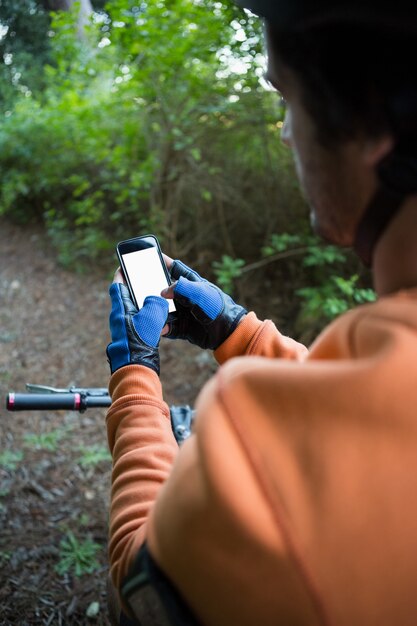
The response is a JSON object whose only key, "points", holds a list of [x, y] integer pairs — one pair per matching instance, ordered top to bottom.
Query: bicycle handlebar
{"points": [[80, 399], [72, 401]]}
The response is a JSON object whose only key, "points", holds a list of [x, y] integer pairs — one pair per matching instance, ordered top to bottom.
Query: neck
{"points": [[395, 256]]}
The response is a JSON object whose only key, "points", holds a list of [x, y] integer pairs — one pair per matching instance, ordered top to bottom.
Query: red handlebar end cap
{"points": [[10, 402]]}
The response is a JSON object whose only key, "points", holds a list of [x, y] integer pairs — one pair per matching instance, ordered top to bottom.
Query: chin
{"points": [[328, 232]]}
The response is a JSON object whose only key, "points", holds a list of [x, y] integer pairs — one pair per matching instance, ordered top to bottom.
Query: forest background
{"points": [[128, 117]]}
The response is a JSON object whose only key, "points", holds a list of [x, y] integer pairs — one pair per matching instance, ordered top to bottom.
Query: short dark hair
{"points": [[354, 78]]}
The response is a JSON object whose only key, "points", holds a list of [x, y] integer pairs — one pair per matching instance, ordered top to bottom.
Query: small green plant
{"points": [[281, 243], [315, 253], [227, 270], [332, 294], [335, 297], [5, 377], [44, 441], [92, 455], [9, 460], [84, 519], [5, 556], [77, 557]]}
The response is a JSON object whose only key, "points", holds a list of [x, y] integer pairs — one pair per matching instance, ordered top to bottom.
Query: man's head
{"points": [[346, 70]]}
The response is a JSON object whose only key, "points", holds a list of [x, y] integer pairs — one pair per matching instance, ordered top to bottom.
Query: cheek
{"points": [[286, 131], [296, 135], [293, 142], [326, 178]]}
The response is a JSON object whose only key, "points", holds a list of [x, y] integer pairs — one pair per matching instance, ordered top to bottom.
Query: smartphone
{"points": [[144, 268]]}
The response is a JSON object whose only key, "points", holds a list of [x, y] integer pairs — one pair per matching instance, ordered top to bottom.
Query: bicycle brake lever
{"points": [[44, 389], [94, 391]]}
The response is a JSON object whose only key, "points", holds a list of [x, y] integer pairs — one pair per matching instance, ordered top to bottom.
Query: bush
{"points": [[151, 133]]}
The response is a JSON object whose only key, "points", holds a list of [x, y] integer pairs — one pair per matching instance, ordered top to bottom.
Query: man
{"points": [[294, 501]]}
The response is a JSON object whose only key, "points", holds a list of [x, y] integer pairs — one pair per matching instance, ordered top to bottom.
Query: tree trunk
{"points": [[60, 5], [86, 10]]}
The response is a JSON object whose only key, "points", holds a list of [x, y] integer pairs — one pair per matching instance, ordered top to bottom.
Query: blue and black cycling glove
{"points": [[206, 316], [135, 334]]}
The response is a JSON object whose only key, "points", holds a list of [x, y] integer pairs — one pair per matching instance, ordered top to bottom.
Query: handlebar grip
{"points": [[47, 401], [96, 402]]}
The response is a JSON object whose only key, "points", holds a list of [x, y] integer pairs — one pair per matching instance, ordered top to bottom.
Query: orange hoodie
{"points": [[295, 500]]}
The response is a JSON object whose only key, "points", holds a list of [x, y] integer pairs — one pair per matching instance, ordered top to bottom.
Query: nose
{"points": [[286, 130]]}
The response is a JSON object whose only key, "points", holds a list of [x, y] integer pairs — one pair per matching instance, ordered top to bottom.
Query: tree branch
{"points": [[276, 257]]}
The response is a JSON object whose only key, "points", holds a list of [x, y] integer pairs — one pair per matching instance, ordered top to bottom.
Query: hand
{"points": [[206, 316], [135, 334]]}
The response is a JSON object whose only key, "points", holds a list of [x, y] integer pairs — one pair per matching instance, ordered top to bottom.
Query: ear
{"points": [[375, 149]]}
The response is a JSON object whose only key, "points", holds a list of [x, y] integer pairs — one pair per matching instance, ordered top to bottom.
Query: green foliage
{"points": [[24, 48], [155, 121], [145, 125], [281, 243], [315, 253], [319, 255], [226, 271], [330, 294], [334, 297], [44, 441], [93, 455], [10, 460], [84, 519], [5, 556], [77, 557]]}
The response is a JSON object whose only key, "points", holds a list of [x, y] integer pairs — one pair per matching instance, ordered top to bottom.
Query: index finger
{"points": [[118, 276]]}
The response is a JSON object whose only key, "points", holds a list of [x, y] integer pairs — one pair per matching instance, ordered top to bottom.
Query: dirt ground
{"points": [[54, 466]]}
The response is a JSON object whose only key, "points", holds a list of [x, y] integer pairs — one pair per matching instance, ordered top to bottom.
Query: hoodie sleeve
{"points": [[253, 337], [143, 448]]}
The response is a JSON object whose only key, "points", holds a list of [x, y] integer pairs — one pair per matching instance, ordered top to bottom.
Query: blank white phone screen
{"points": [[146, 275]]}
